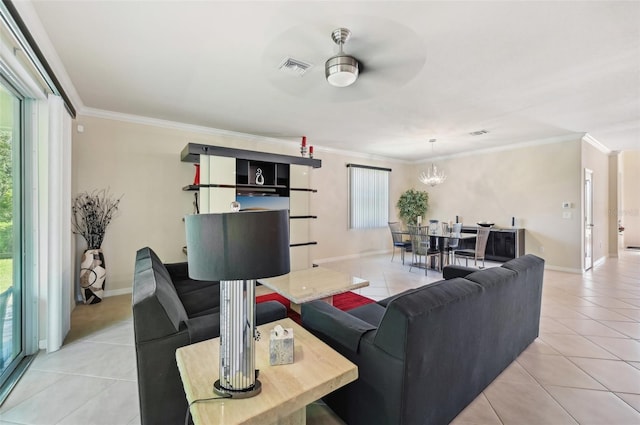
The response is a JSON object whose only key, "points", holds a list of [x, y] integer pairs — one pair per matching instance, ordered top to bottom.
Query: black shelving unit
{"points": [[192, 152], [502, 245]]}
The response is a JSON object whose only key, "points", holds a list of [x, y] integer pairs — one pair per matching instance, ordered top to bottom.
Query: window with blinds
{"points": [[368, 196]]}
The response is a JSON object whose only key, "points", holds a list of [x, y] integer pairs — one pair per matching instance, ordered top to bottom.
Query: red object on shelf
{"points": [[304, 141], [311, 151], [196, 179]]}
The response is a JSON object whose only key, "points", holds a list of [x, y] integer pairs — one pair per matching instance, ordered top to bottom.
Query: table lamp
{"points": [[236, 248]]}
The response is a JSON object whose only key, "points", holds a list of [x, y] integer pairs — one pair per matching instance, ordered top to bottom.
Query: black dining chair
{"points": [[398, 240]]}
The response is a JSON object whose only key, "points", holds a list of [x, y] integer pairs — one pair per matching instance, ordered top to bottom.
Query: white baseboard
{"points": [[351, 256], [599, 261], [562, 269], [116, 292]]}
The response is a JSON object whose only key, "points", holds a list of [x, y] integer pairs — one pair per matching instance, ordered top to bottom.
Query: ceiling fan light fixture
{"points": [[341, 70]]}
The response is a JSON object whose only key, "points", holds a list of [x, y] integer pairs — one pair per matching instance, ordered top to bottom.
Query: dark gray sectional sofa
{"points": [[171, 311], [425, 354]]}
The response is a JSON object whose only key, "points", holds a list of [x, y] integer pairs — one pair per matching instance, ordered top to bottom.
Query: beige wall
{"points": [[143, 163], [528, 183], [630, 208], [331, 231]]}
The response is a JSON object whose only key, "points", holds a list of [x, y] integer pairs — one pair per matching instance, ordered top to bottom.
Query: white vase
{"points": [[92, 276]]}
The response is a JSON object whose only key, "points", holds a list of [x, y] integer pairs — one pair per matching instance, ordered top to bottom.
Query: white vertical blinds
{"points": [[368, 197]]}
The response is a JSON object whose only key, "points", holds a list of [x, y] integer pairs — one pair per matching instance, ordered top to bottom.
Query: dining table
{"points": [[438, 238], [441, 239]]}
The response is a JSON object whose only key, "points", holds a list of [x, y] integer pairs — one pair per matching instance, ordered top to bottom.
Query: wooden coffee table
{"points": [[317, 283], [316, 371]]}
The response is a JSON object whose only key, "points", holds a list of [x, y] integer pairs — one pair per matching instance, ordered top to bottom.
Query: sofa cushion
{"points": [[494, 276], [197, 297], [370, 313]]}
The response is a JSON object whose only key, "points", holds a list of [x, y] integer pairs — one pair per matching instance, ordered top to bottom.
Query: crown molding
{"points": [[174, 125], [539, 142], [596, 144]]}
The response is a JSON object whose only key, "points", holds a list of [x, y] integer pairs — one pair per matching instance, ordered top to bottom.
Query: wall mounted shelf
{"points": [[192, 152]]}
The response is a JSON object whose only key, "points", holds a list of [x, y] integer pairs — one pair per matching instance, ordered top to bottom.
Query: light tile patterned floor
{"points": [[584, 368]]}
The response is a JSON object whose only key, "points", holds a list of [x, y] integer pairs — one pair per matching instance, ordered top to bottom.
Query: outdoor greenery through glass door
{"points": [[11, 346]]}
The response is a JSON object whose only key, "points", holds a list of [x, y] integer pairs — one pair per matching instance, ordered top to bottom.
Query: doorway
{"points": [[588, 219]]}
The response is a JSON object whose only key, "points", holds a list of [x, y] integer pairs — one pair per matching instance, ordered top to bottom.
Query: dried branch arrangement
{"points": [[92, 213]]}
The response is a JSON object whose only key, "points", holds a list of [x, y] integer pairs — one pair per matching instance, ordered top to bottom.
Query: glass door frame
{"points": [[17, 177], [24, 224]]}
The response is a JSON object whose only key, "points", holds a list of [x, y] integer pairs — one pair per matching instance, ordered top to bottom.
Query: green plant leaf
{"points": [[412, 203]]}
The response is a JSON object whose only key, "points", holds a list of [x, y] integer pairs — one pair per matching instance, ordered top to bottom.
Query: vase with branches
{"points": [[92, 213]]}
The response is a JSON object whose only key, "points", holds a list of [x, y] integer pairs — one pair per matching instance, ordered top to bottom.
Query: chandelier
{"points": [[433, 176]]}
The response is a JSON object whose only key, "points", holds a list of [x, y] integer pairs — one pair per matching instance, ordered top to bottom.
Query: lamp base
{"points": [[247, 393]]}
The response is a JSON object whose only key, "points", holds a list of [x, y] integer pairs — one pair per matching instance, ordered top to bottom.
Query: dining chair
{"points": [[398, 240], [454, 243], [420, 246], [479, 252]]}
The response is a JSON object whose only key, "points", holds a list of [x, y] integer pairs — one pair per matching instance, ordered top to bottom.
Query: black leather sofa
{"points": [[171, 311], [425, 354]]}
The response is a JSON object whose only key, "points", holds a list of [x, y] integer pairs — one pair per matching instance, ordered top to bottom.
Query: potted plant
{"points": [[412, 204], [91, 214]]}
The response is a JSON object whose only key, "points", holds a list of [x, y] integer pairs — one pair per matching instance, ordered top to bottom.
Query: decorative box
{"points": [[281, 346]]}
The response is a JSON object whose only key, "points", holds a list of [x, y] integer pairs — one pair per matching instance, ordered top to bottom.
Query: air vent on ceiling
{"points": [[294, 66], [478, 133]]}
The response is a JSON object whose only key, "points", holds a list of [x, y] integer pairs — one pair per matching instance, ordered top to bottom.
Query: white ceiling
{"points": [[522, 70]]}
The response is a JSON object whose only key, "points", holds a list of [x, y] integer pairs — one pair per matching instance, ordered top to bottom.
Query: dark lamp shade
{"points": [[238, 245]]}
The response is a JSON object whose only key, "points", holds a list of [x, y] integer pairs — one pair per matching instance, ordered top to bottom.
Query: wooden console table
{"points": [[286, 389]]}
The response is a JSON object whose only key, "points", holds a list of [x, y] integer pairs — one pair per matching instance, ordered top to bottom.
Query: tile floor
{"points": [[584, 368]]}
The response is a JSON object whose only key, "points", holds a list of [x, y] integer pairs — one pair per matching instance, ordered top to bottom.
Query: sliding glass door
{"points": [[11, 287]]}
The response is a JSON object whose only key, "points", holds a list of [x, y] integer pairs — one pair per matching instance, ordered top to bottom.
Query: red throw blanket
{"points": [[345, 301]]}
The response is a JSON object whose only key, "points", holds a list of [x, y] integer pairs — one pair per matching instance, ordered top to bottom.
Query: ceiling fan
{"points": [[371, 64], [341, 70]]}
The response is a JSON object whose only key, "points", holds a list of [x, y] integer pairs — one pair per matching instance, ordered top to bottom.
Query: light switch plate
{"points": [[566, 205], [566, 214]]}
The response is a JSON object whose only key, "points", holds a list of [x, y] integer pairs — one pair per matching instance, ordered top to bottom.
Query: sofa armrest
{"points": [[453, 271], [334, 324], [203, 327]]}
